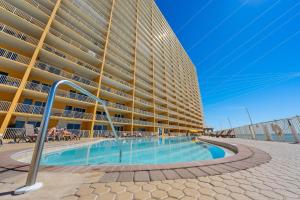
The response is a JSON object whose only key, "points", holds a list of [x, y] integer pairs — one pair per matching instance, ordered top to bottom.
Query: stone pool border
{"points": [[245, 157]]}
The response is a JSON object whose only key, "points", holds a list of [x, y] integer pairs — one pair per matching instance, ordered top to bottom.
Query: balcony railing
{"points": [[39, 6], [21, 14], [14, 32], [86, 36], [74, 43], [14, 56], [70, 58], [119, 68], [65, 74], [117, 79], [7, 80], [117, 92], [61, 93], [143, 101], [4, 105], [119, 106], [39, 110], [143, 112], [71, 114], [161, 116], [114, 119], [121, 120], [141, 122], [11, 133]]}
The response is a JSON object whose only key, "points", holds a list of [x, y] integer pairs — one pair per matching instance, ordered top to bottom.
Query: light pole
{"points": [[230, 125]]}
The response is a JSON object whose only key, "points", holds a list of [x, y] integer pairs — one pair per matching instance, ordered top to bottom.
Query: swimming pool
{"points": [[136, 151]]}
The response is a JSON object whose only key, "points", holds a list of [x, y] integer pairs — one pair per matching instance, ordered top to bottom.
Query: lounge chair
{"points": [[53, 134], [27, 136]]}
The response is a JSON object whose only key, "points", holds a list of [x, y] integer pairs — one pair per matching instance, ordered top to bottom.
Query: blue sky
{"points": [[247, 54]]}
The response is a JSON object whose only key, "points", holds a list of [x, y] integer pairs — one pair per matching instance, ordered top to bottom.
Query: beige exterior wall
{"points": [[122, 51]]}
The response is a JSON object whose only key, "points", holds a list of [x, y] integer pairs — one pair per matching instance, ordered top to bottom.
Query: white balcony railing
{"points": [[70, 58], [60, 72], [117, 92], [61, 93], [39, 110]]}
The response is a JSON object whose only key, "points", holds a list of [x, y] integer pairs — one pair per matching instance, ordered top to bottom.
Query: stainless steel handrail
{"points": [[37, 154]]}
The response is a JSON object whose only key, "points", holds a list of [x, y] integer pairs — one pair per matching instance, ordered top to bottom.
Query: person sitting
{"points": [[67, 135]]}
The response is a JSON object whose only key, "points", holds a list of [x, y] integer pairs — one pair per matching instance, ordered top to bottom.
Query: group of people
{"points": [[61, 134]]}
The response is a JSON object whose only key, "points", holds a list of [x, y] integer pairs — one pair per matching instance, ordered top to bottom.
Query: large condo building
{"points": [[122, 51]]}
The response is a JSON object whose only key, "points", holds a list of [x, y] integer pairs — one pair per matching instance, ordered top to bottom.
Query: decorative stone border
{"points": [[245, 157]]}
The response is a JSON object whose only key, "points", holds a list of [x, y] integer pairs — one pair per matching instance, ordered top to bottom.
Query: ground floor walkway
{"points": [[277, 179]]}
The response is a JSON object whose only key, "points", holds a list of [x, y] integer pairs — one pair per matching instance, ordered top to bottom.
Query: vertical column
{"points": [[152, 60], [134, 65], [29, 68], [101, 68]]}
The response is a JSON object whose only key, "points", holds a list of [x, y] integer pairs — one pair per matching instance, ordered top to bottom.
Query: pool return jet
{"points": [[31, 183]]}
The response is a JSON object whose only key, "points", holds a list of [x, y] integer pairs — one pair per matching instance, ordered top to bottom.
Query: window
{"points": [[27, 101], [68, 108], [34, 123], [20, 124], [73, 126]]}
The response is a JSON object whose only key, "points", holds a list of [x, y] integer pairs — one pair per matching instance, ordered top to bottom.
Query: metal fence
{"points": [[282, 130]]}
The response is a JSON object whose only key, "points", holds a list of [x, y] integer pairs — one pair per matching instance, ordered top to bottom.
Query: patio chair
{"points": [[53, 134], [27, 136]]}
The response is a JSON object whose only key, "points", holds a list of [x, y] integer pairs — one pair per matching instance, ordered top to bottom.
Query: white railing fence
{"points": [[282, 130]]}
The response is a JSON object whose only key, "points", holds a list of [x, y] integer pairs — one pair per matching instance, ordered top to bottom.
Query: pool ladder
{"points": [[38, 149]]}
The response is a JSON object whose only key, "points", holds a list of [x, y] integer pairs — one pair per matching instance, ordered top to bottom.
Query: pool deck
{"points": [[263, 170]]}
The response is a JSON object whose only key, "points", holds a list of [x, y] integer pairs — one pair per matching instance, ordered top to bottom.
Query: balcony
{"points": [[39, 6], [21, 14], [81, 33], [17, 34], [76, 44], [14, 56], [70, 58], [65, 74], [118, 80], [10, 81], [116, 92], [61, 93], [144, 102], [4, 105], [118, 106], [39, 110], [143, 112], [162, 117], [113, 119], [144, 123]]}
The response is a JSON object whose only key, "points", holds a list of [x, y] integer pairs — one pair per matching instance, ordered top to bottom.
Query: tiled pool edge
{"points": [[245, 158]]}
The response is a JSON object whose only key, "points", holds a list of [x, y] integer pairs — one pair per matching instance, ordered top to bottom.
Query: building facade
{"points": [[122, 51]]}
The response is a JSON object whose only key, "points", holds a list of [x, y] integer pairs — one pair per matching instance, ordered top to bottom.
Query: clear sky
{"points": [[247, 54]]}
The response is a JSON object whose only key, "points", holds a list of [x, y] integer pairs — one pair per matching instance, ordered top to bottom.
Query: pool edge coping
{"points": [[245, 157]]}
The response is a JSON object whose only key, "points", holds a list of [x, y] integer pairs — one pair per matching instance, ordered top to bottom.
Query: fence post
{"points": [[293, 130], [252, 132], [267, 133]]}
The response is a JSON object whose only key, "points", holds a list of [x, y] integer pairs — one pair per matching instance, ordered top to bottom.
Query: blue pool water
{"points": [[136, 151]]}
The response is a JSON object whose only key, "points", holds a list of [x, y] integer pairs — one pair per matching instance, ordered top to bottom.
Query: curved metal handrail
{"points": [[36, 157]]}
